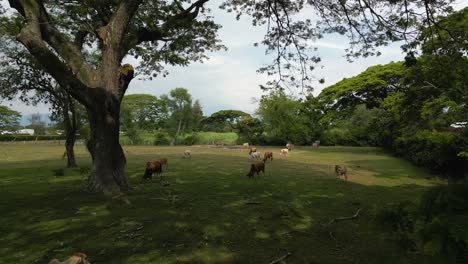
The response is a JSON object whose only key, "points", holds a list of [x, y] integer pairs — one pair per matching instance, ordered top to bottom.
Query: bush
{"points": [[134, 135], [338, 136], [31, 137], [160, 138], [205, 138], [189, 140], [436, 151], [59, 172], [451, 199], [436, 241]]}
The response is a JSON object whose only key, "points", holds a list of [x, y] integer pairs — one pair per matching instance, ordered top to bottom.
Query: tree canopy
{"points": [[145, 111], [9, 119]]}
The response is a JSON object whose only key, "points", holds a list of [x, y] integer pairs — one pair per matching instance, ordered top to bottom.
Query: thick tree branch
{"points": [[39, 24], [161, 33], [57, 69]]}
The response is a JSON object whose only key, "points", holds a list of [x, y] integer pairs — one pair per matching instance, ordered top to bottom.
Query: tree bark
{"points": [[70, 130], [177, 133], [106, 152]]}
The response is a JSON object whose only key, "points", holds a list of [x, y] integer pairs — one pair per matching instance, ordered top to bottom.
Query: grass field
{"points": [[203, 215]]}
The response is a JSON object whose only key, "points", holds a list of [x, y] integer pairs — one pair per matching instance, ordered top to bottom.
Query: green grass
{"points": [[202, 217]]}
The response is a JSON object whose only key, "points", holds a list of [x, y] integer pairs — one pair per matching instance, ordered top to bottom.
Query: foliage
{"points": [[368, 26], [369, 88], [179, 103], [144, 111], [197, 115], [283, 118], [9, 119], [219, 121], [363, 127], [250, 130], [134, 134], [14, 137], [160, 138], [205, 138], [189, 140], [436, 151], [59, 172], [444, 200], [425, 228]]}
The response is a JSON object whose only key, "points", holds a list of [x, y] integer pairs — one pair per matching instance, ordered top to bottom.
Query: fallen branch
{"points": [[356, 215], [281, 258]]}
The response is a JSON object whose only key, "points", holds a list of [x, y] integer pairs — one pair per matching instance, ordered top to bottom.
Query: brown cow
{"points": [[268, 155], [163, 162], [152, 167], [256, 168]]}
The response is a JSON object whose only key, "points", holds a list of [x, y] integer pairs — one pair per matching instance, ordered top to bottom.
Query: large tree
{"points": [[62, 34], [82, 44], [23, 78], [179, 103], [145, 111], [284, 118], [9, 119], [218, 121]]}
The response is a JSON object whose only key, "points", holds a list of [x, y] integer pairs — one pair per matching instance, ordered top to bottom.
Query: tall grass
{"points": [[199, 138]]}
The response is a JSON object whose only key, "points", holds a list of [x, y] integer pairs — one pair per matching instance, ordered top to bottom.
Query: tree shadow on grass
{"points": [[204, 216]]}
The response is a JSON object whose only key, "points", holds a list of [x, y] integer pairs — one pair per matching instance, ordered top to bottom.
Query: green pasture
{"points": [[210, 212]]}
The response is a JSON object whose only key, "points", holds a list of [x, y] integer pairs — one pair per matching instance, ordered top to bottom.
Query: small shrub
{"points": [[135, 136], [160, 139], [189, 140], [85, 170], [59, 172], [451, 199], [436, 241]]}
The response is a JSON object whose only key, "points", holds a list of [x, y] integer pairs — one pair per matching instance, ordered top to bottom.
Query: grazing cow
{"points": [[245, 145], [252, 150], [284, 152], [187, 153], [256, 155], [268, 155], [164, 162], [152, 167], [256, 168], [341, 170], [76, 258]]}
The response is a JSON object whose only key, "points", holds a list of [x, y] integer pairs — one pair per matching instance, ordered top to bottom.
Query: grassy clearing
{"points": [[202, 217]]}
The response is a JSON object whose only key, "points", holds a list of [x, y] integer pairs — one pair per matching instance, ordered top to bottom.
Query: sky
{"points": [[228, 80]]}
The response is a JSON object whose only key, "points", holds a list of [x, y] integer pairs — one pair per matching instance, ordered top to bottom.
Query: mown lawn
{"points": [[203, 215]]}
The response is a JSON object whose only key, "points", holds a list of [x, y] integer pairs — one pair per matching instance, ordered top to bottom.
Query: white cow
{"points": [[187, 153], [255, 155]]}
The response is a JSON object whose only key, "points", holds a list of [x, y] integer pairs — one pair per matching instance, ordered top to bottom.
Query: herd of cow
{"points": [[156, 167]]}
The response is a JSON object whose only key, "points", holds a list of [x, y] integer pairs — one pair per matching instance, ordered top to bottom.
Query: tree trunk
{"points": [[70, 130], [177, 133], [69, 147], [107, 154]]}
